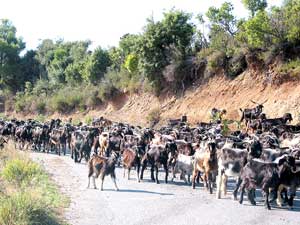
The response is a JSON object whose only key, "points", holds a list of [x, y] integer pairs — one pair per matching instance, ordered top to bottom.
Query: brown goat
{"points": [[206, 162], [102, 166]]}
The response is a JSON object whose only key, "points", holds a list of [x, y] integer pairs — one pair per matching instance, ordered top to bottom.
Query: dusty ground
{"points": [[150, 203]]}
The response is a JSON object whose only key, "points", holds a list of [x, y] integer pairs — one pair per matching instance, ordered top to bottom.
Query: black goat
{"points": [[252, 113]]}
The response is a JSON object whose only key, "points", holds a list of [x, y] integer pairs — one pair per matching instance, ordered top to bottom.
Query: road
{"points": [[149, 203]]}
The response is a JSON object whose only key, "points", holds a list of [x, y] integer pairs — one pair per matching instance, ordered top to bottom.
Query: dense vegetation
{"points": [[65, 76], [27, 196]]}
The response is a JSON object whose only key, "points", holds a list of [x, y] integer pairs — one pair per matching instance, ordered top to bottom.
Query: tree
{"points": [[255, 5], [223, 17], [292, 20], [223, 27], [175, 31], [128, 44], [10, 48], [45, 54], [61, 60], [96, 65], [30, 66]]}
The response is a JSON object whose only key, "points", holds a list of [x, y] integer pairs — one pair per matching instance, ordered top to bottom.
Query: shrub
{"points": [[216, 61], [236, 65], [292, 67], [107, 91], [20, 102], [60, 104], [40, 106], [153, 117], [88, 120], [20, 172], [24, 209]]}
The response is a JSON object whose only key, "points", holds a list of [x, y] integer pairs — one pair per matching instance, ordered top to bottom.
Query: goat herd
{"points": [[265, 155]]}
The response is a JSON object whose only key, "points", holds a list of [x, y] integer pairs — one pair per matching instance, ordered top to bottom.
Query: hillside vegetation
{"points": [[170, 59]]}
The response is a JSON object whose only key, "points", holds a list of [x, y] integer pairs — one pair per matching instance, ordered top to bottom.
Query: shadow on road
{"points": [[140, 191]]}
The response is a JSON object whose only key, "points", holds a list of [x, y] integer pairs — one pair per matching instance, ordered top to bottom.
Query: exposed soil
{"points": [[197, 101]]}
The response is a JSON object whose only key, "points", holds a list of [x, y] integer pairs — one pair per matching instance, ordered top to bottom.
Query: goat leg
{"points": [[138, 171], [167, 172], [129, 173], [156, 174], [113, 177], [94, 181], [102, 181], [219, 183], [88, 186], [235, 192], [242, 193], [251, 196]]}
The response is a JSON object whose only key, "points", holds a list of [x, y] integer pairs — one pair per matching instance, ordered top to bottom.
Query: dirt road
{"points": [[149, 203]]}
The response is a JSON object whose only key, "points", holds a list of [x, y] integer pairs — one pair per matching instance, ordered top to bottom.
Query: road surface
{"points": [[150, 203]]}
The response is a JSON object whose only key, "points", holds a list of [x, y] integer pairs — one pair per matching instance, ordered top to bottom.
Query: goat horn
{"points": [[254, 102], [264, 102]]}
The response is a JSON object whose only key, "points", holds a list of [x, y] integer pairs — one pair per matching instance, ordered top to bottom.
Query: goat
{"points": [[252, 113], [206, 162], [184, 165], [102, 166]]}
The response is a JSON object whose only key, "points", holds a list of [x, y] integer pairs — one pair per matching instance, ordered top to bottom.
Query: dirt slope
{"points": [[197, 102]]}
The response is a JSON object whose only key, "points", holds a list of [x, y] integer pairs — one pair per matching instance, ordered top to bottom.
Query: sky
{"points": [[101, 21]]}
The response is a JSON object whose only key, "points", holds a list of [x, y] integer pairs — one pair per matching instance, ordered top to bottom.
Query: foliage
{"points": [[255, 5], [223, 17], [292, 18], [222, 28], [258, 30], [10, 48], [154, 48], [216, 61], [131, 63], [96, 65], [236, 65], [292, 67], [66, 76], [88, 120], [20, 172]]}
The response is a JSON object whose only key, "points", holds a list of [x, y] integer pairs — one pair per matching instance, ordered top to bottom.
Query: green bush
{"points": [[216, 61], [291, 67], [107, 91], [60, 104], [40, 106], [88, 120], [20, 172], [22, 208]]}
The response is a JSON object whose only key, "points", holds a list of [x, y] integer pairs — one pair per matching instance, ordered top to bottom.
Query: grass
{"points": [[292, 67], [27, 194]]}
